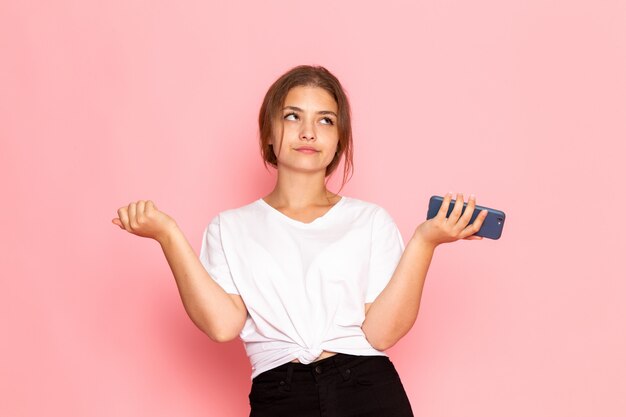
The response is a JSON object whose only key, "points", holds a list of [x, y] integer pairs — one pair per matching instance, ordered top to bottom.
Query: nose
{"points": [[307, 132]]}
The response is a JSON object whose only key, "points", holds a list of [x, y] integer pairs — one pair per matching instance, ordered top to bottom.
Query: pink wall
{"points": [[521, 102]]}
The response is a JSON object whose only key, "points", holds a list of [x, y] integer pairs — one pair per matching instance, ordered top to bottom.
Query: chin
{"points": [[304, 168]]}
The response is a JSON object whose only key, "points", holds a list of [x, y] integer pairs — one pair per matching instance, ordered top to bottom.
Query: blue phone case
{"points": [[491, 227]]}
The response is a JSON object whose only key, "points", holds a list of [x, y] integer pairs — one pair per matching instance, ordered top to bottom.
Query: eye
{"points": [[291, 116], [327, 121]]}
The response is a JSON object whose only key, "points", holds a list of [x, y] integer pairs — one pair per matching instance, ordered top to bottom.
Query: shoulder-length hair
{"points": [[314, 76]]}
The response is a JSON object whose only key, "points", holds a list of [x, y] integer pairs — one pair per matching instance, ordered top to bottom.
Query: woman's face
{"points": [[306, 130]]}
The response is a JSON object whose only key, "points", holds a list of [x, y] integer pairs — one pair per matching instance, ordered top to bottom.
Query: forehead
{"points": [[312, 98]]}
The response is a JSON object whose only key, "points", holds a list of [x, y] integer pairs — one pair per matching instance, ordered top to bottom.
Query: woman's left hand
{"points": [[440, 229]]}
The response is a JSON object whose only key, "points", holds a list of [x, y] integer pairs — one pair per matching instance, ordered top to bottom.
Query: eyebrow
{"points": [[302, 111]]}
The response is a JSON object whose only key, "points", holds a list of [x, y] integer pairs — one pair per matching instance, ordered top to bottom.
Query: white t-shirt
{"points": [[304, 285]]}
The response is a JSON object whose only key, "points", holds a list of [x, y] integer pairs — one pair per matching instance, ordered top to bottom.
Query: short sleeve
{"points": [[386, 249], [213, 258]]}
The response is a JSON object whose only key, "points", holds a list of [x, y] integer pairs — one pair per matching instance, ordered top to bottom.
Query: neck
{"points": [[299, 189]]}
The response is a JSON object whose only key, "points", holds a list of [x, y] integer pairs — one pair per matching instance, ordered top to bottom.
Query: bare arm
{"points": [[394, 311], [218, 314]]}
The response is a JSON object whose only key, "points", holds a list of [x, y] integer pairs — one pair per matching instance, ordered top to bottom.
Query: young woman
{"points": [[315, 284]]}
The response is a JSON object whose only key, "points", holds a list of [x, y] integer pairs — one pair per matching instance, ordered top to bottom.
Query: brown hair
{"points": [[315, 76]]}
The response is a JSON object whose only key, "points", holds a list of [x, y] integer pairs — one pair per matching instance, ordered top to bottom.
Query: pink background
{"points": [[521, 102]]}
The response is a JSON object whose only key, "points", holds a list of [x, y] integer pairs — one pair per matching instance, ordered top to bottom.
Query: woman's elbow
{"points": [[217, 335], [220, 336], [223, 338], [378, 343], [383, 345]]}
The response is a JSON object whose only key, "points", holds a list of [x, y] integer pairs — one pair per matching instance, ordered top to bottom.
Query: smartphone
{"points": [[491, 227]]}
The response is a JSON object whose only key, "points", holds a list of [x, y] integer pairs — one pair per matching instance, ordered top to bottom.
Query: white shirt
{"points": [[304, 285]]}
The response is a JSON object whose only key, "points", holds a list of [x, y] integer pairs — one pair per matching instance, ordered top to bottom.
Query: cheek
{"points": [[290, 128], [284, 131], [278, 134], [335, 140], [332, 152]]}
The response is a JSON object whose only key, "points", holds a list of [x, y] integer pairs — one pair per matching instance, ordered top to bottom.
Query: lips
{"points": [[307, 149]]}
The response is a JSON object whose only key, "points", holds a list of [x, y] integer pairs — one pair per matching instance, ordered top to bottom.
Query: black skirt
{"points": [[338, 386]]}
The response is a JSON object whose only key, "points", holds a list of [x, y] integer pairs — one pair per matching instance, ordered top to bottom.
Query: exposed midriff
{"points": [[324, 354]]}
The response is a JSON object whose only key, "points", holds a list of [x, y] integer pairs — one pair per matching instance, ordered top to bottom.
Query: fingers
{"points": [[445, 204], [141, 207], [458, 208], [469, 210], [141, 211], [122, 213], [131, 216], [457, 224], [474, 227]]}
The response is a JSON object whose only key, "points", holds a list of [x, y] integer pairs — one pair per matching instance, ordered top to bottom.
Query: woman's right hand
{"points": [[144, 219]]}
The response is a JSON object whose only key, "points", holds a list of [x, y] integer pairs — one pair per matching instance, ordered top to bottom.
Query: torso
{"points": [[307, 217], [249, 243], [325, 354]]}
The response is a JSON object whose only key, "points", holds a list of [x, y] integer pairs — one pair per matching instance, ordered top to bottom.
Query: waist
{"points": [[268, 354], [325, 354], [326, 368]]}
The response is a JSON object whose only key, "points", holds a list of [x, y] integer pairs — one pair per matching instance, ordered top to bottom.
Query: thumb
{"points": [[117, 222]]}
